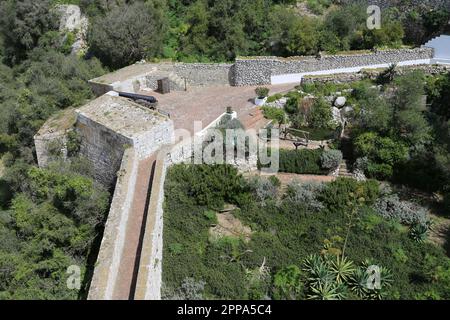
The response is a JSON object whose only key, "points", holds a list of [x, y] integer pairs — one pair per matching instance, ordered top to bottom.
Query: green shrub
{"points": [[262, 92], [274, 97], [291, 106], [275, 114], [321, 115], [315, 134], [382, 153], [331, 159], [302, 161], [203, 184], [343, 192]]}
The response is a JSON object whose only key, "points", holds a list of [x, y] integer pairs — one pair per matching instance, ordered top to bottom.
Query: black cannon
{"points": [[134, 96]]}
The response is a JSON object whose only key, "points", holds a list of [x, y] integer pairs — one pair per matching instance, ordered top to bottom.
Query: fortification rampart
{"points": [[253, 70], [111, 249]]}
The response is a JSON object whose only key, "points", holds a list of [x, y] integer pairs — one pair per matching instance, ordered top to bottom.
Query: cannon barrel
{"points": [[135, 96]]}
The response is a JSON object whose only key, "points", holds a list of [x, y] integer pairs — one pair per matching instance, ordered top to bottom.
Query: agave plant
{"points": [[419, 232], [311, 262], [342, 269], [317, 270], [358, 283], [328, 290]]}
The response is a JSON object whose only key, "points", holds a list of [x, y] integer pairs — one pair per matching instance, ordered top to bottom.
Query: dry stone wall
{"points": [[403, 5], [259, 70], [372, 74]]}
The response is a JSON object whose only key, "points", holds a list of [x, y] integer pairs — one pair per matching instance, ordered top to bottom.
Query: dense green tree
{"points": [[22, 23], [129, 33], [408, 102], [320, 115], [383, 154]]}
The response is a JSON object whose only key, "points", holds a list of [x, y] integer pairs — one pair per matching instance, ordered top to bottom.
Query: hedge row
{"points": [[302, 161]]}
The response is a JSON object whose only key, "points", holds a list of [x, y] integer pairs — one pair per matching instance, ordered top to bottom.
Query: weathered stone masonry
{"points": [[251, 70], [260, 70]]}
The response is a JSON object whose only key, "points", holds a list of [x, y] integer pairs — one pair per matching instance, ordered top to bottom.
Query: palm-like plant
{"points": [[311, 262], [342, 269], [317, 270], [360, 279], [358, 283], [328, 290]]}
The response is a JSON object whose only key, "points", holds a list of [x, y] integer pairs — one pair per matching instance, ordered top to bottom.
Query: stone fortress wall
{"points": [[403, 4], [270, 70], [254, 71], [103, 148]]}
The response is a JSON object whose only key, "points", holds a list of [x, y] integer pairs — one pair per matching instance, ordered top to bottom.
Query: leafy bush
{"points": [[274, 97], [291, 106], [275, 114], [320, 115], [315, 134], [382, 154], [331, 159], [303, 161], [203, 185], [342, 193], [391, 207]]}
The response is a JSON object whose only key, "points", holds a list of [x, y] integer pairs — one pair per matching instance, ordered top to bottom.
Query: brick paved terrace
{"points": [[207, 103]]}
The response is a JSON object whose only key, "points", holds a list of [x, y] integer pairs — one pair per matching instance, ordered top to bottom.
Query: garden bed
{"points": [[285, 230]]}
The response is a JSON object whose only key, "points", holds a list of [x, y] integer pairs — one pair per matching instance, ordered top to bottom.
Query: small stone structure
{"points": [[144, 76], [106, 127]]}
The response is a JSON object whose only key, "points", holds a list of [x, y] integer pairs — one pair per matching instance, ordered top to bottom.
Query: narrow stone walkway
{"points": [[124, 286]]}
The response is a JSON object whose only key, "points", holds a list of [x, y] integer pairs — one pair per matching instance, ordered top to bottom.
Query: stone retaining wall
{"points": [[401, 4], [255, 70], [260, 70], [372, 74]]}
